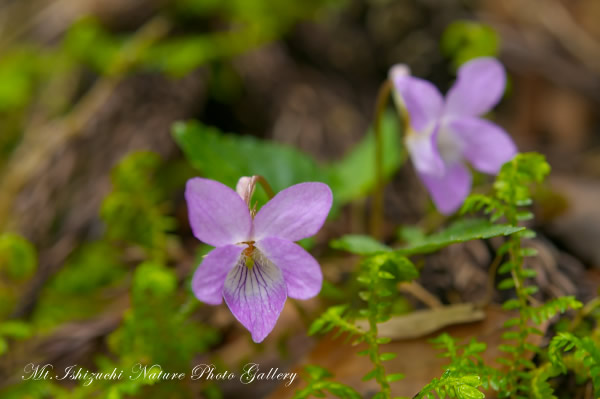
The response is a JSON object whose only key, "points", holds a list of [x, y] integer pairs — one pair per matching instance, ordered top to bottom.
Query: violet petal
{"points": [[478, 87], [422, 100], [486, 145], [424, 153], [450, 190], [295, 213], [218, 215], [301, 272], [209, 277], [256, 295]]}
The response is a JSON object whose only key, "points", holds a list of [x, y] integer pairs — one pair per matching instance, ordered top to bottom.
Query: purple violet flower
{"points": [[444, 133], [256, 265]]}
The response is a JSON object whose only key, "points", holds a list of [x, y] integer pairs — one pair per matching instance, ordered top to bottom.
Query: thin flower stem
{"points": [[265, 185], [377, 210], [490, 288], [586, 310]]}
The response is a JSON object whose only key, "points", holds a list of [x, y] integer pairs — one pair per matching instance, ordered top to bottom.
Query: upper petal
{"points": [[479, 86], [421, 99], [486, 145], [424, 153], [245, 187], [450, 190], [295, 213], [217, 214], [301, 271], [209, 277], [256, 296]]}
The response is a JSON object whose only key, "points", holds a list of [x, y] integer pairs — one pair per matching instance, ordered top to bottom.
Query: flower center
{"points": [[450, 149], [248, 253]]}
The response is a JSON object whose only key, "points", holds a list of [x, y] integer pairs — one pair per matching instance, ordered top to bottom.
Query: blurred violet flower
{"points": [[444, 133], [256, 265]]}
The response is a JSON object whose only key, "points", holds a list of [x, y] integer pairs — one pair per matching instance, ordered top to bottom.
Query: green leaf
{"points": [[257, 22], [464, 40], [87, 42], [180, 55], [20, 67], [227, 157], [353, 176], [512, 183], [524, 215], [134, 218], [460, 231], [527, 233], [411, 234], [359, 244], [529, 252], [18, 258], [393, 262], [506, 267], [528, 273], [385, 275], [153, 279], [363, 279], [506, 284], [530, 290], [511, 304], [551, 308], [334, 317], [511, 322], [317, 326], [15, 329], [511, 335], [507, 348], [387, 356], [504, 361], [317, 372], [370, 375], [394, 377], [472, 380], [454, 385], [540, 388], [342, 391], [468, 392]]}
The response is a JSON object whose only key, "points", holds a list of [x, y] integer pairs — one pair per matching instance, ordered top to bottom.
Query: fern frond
{"points": [[548, 310], [335, 317], [586, 351], [318, 385], [453, 385], [540, 387]]}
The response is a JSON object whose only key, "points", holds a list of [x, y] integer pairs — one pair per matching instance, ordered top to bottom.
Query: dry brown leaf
{"points": [[422, 322], [417, 359]]}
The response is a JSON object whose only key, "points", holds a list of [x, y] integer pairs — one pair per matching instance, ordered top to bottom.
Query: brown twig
{"points": [[31, 157], [265, 185], [377, 210], [490, 286]]}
